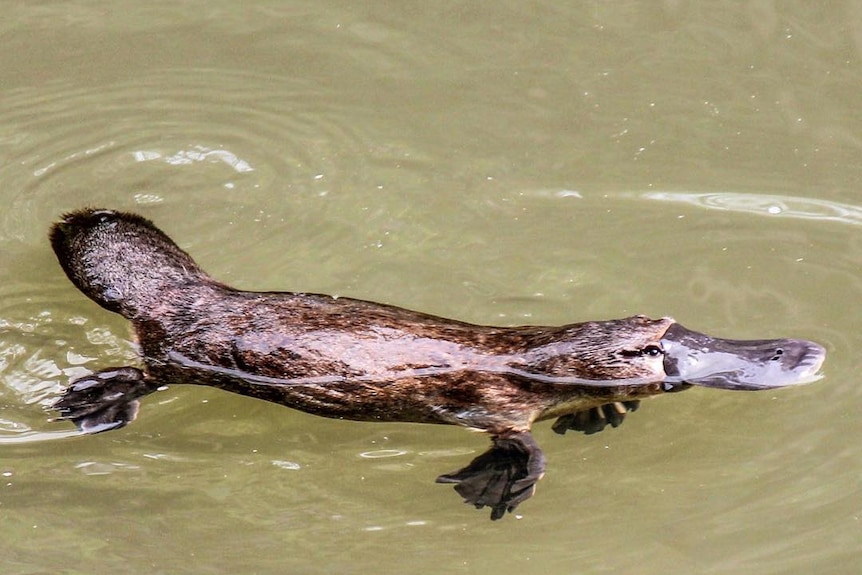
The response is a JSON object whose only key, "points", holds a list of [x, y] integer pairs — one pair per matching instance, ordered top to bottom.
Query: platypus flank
{"points": [[353, 359]]}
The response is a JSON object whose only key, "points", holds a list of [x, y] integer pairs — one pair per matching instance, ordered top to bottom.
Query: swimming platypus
{"points": [[352, 359]]}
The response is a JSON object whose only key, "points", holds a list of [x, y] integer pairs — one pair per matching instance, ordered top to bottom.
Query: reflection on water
{"points": [[196, 154], [766, 204], [27, 436]]}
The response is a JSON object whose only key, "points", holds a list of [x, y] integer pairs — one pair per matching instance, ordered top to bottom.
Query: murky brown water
{"points": [[495, 162]]}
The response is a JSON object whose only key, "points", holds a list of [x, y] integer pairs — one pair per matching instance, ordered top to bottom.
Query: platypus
{"points": [[352, 359]]}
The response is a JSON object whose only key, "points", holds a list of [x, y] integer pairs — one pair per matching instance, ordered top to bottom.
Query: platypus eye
{"points": [[652, 350]]}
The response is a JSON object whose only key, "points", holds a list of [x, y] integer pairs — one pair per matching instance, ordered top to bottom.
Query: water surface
{"points": [[502, 163]]}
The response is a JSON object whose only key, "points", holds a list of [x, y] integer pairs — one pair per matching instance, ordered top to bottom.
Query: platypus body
{"points": [[353, 359]]}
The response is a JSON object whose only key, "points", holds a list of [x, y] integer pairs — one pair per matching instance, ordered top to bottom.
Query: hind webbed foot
{"points": [[104, 400], [595, 419], [503, 477]]}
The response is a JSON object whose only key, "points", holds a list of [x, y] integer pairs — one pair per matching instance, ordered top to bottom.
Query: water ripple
{"points": [[198, 136], [766, 205], [42, 349]]}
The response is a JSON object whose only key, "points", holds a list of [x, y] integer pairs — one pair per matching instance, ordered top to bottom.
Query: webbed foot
{"points": [[104, 400], [595, 419], [503, 477]]}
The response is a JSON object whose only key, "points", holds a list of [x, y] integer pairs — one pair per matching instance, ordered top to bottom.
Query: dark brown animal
{"points": [[352, 359]]}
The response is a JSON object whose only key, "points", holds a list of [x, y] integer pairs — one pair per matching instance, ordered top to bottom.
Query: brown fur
{"points": [[340, 357], [352, 359]]}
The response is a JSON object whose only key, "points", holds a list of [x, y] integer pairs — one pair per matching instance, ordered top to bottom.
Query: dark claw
{"points": [[104, 400], [595, 419], [503, 477]]}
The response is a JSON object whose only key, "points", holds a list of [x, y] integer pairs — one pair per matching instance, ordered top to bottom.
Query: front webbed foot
{"points": [[104, 400], [595, 419], [503, 477]]}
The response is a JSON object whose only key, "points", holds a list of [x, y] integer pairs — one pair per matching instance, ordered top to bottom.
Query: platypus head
{"points": [[119, 260], [648, 350], [695, 358]]}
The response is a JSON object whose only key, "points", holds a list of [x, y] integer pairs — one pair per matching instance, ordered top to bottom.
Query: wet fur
{"points": [[340, 357], [353, 359]]}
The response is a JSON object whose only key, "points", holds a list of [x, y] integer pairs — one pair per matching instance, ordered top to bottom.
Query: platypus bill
{"points": [[352, 359]]}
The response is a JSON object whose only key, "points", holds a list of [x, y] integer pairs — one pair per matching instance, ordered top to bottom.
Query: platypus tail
{"points": [[122, 261]]}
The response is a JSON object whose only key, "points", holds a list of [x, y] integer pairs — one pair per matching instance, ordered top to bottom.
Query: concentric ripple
{"points": [[199, 136]]}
